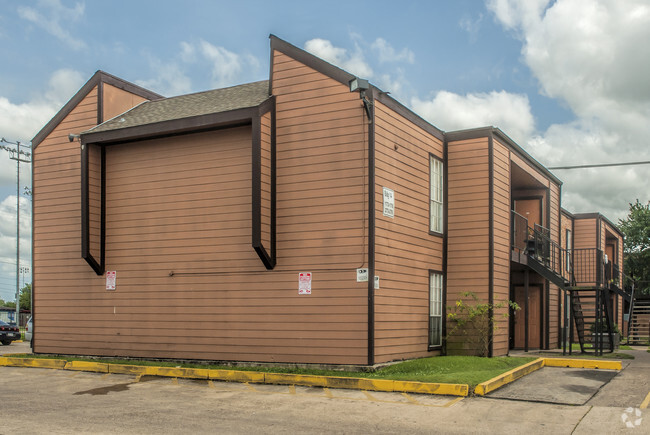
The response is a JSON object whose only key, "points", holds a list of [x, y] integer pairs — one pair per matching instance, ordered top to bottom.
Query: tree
{"points": [[636, 228], [26, 297]]}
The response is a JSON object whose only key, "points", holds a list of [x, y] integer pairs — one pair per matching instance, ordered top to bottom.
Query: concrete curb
{"points": [[583, 363], [246, 376], [499, 381], [486, 387]]}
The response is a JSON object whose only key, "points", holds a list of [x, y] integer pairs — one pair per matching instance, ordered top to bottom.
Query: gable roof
{"points": [[97, 78], [190, 105], [191, 112]]}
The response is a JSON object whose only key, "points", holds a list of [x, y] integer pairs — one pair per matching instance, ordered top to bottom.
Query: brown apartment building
{"points": [[310, 218]]}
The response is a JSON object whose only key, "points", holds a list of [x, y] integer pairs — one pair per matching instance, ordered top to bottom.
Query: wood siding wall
{"points": [[117, 101], [266, 180], [94, 200], [322, 223], [609, 231], [585, 235], [468, 246], [404, 249], [501, 250], [60, 273], [189, 284], [554, 296]]}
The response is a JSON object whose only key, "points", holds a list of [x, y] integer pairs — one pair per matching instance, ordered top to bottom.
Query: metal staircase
{"points": [[579, 272], [590, 309], [639, 325]]}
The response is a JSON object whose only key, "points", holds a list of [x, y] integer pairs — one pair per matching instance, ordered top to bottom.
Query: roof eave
{"points": [[96, 79], [173, 127], [474, 133]]}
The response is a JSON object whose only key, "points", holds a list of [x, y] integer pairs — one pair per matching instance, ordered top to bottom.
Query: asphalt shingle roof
{"points": [[188, 106]]}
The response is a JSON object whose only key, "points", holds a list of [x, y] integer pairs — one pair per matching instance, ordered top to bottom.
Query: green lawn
{"points": [[469, 370]]}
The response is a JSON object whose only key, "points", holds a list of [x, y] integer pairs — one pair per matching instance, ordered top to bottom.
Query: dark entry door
{"points": [[534, 317]]}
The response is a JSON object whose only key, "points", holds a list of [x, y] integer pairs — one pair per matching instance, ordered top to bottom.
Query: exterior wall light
{"points": [[362, 85]]}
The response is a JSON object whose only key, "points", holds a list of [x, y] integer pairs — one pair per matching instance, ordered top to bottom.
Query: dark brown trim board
{"points": [[194, 124], [371, 232], [491, 237], [445, 240], [266, 253], [97, 266]]}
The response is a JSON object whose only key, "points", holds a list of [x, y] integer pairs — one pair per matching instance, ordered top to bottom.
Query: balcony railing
{"points": [[578, 267]]}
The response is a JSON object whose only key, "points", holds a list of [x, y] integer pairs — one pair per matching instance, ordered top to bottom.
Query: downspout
{"points": [[370, 110], [491, 243]]}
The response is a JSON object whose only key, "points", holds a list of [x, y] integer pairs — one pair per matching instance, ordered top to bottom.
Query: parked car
{"points": [[29, 332], [8, 333]]}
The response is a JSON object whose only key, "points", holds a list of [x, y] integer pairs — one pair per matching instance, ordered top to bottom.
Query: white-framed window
{"points": [[436, 180], [435, 309]]}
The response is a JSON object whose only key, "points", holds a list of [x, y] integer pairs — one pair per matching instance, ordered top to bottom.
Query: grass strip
{"points": [[441, 369]]}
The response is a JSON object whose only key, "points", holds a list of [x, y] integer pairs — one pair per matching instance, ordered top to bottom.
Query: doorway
{"points": [[534, 309]]}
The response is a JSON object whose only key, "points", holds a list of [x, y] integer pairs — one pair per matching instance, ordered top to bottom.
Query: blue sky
{"points": [[566, 79]]}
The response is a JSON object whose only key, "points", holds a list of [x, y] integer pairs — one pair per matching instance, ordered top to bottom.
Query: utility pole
{"points": [[15, 154]]}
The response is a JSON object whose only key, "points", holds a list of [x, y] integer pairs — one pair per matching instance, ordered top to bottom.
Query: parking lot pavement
{"points": [[15, 348], [564, 386], [58, 401]]}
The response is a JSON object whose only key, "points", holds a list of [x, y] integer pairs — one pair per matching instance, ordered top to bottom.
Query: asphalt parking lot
{"points": [[58, 401]]}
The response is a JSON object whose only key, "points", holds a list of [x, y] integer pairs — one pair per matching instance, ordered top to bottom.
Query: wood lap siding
{"points": [[117, 101], [266, 181], [321, 181], [94, 200], [183, 205], [321, 210], [468, 227], [501, 232], [585, 235], [404, 249], [59, 270], [554, 293]]}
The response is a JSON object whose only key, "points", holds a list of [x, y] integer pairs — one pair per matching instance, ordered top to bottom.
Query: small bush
{"points": [[474, 321]]}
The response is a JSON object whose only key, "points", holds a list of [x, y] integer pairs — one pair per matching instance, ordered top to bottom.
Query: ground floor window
{"points": [[435, 309]]}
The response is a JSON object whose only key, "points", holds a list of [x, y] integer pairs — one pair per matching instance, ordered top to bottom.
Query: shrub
{"points": [[475, 321]]}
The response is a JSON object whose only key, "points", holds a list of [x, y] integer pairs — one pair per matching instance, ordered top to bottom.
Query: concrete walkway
{"points": [[628, 388]]}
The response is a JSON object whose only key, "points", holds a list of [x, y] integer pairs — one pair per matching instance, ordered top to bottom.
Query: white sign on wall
{"points": [[389, 202], [362, 275], [111, 277], [376, 282], [304, 283]]}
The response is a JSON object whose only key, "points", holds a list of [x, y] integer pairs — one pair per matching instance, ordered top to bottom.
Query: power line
{"points": [[601, 165]]}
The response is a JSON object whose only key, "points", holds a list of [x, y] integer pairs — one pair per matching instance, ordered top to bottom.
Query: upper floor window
{"points": [[436, 179]]}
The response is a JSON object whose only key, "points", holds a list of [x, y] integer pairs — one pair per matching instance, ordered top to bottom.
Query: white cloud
{"points": [[55, 18], [471, 26], [387, 53], [592, 55], [354, 62], [227, 67], [391, 78], [170, 79], [450, 111], [21, 121]]}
